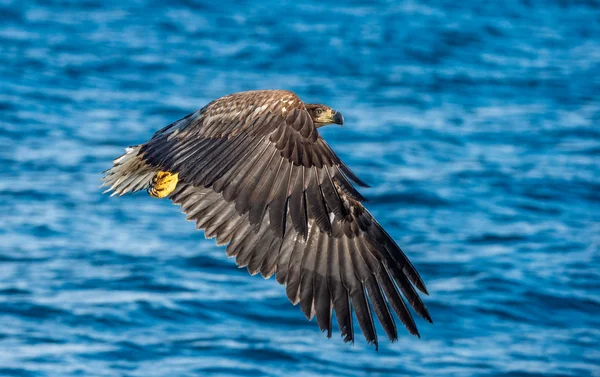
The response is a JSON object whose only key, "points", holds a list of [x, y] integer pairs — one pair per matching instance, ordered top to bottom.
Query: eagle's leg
{"points": [[163, 184]]}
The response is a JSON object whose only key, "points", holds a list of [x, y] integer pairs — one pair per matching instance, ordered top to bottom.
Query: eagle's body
{"points": [[252, 170]]}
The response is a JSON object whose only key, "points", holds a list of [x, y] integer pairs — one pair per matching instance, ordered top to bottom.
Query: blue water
{"points": [[478, 126]]}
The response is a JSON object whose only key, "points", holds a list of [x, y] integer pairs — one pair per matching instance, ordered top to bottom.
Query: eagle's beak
{"points": [[338, 118]]}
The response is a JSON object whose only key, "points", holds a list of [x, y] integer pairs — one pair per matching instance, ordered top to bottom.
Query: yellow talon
{"points": [[164, 183]]}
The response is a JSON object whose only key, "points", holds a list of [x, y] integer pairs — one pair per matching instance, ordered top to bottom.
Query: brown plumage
{"points": [[252, 170]]}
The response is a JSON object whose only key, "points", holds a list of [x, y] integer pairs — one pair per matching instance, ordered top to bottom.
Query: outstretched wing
{"points": [[255, 173]]}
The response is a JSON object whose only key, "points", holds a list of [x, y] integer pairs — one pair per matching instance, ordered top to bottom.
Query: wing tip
{"points": [[361, 183], [421, 286], [423, 312], [413, 330], [328, 331], [374, 342]]}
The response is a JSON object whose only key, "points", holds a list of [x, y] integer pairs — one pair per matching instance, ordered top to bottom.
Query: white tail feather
{"points": [[129, 173]]}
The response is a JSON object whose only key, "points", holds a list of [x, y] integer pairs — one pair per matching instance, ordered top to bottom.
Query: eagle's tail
{"points": [[129, 174]]}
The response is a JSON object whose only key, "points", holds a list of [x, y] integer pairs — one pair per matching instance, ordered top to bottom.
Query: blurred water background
{"points": [[477, 124]]}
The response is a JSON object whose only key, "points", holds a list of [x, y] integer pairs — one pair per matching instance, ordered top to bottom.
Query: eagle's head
{"points": [[323, 115]]}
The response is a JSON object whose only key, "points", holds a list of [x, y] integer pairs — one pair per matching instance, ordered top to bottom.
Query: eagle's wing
{"points": [[254, 172]]}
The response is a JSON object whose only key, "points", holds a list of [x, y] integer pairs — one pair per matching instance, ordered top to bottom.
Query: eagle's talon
{"points": [[163, 184]]}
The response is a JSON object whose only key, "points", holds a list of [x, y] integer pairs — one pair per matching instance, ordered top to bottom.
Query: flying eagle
{"points": [[252, 170]]}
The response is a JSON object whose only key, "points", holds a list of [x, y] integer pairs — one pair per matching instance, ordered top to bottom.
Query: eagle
{"points": [[251, 169]]}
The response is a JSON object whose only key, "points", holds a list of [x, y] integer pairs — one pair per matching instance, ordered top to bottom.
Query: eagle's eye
{"points": [[318, 111]]}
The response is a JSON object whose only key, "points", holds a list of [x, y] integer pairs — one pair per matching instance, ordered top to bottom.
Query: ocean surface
{"points": [[476, 123]]}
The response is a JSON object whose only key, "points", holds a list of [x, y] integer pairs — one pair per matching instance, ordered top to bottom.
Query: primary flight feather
{"points": [[252, 170]]}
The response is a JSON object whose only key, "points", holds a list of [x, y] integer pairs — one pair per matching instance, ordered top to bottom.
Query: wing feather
{"points": [[240, 175], [250, 183], [262, 191], [297, 203], [278, 204], [316, 204], [261, 250], [283, 261], [269, 264], [307, 273], [351, 280], [292, 282], [321, 289], [339, 292]]}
